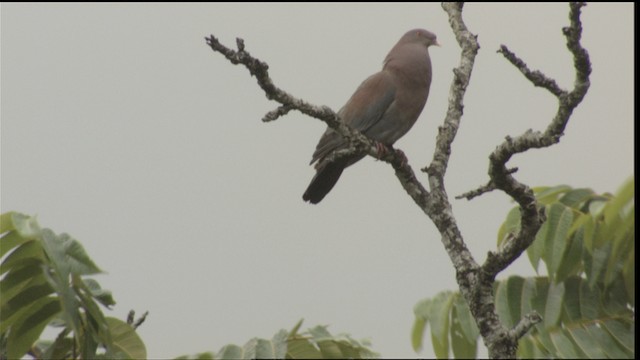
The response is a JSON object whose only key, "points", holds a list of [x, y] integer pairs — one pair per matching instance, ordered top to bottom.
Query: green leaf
{"points": [[547, 195], [576, 197], [620, 203], [559, 219], [6, 222], [510, 225], [26, 226], [589, 228], [9, 241], [622, 242], [536, 251], [29, 252], [68, 253], [571, 263], [629, 275], [17, 280], [529, 289], [514, 294], [103, 296], [538, 298], [614, 299], [23, 301], [589, 302], [502, 304], [571, 304], [553, 307], [421, 311], [439, 318], [467, 323], [97, 326], [296, 328], [26, 330], [320, 332], [417, 333], [624, 333], [125, 340], [586, 343], [607, 343], [545, 344], [564, 345], [461, 346], [59, 348], [302, 348], [526, 348], [274, 349], [330, 350], [230, 352], [201, 356]]}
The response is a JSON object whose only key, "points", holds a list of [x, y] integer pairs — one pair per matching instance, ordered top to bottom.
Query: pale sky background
{"points": [[121, 127]]}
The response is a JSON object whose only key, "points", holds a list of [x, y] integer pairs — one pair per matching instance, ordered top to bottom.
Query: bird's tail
{"points": [[323, 181]]}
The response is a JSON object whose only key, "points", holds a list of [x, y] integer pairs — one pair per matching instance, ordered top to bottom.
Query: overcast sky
{"points": [[121, 127]]}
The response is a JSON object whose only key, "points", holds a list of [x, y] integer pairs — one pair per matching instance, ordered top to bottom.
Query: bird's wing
{"points": [[370, 101], [364, 109]]}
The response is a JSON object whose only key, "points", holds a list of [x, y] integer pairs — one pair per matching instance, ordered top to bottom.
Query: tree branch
{"points": [[358, 142], [490, 186], [532, 216], [475, 282], [477, 286], [524, 325]]}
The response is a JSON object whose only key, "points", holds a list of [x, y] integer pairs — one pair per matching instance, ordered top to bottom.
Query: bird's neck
{"points": [[411, 64]]}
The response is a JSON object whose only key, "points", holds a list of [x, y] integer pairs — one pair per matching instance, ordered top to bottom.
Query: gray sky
{"points": [[121, 127]]}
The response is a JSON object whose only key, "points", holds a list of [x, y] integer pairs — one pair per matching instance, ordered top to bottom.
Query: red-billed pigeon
{"points": [[384, 108]]}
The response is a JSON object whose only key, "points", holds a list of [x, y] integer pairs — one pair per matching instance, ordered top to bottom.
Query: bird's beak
{"points": [[437, 44]]}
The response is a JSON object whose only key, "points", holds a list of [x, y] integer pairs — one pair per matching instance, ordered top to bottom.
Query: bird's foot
{"points": [[381, 149], [403, 158]]}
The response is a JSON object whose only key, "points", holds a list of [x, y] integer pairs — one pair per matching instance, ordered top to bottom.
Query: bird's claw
{"points": [[381, 149], [403, 158]]}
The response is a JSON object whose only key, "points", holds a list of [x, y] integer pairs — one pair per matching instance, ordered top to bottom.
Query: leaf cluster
{"points": [[45, 283], [586, 298], [315, 343]]}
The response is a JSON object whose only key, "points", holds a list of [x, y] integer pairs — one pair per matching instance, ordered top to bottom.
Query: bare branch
{"points": [[260, 70], [462, 75], [536, 77], [275, 114], [359, 143], [490, 186], [438, 207], [532, 216], [476, 286], [140, 320], [136, 323], [524, 325]]}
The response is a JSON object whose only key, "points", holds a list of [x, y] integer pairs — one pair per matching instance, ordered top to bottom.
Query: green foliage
{"points": [[44, 283], [587, 299], [450, 320], [315, 343]]}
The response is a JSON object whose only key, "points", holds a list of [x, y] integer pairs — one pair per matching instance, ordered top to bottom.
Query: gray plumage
{"points": [[384, 107]]}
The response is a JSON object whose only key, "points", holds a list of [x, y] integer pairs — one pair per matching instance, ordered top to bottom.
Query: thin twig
{"points": [[488, 187], [524, 325]]}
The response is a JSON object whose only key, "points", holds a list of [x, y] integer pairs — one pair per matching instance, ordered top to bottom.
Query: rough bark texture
{"points": [[475, 281]]}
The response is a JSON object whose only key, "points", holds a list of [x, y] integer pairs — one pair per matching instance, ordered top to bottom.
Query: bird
{"points": [[384, 107]]}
